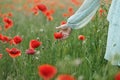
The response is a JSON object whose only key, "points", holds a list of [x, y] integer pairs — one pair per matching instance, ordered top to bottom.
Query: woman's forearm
{"points": [[84, 14]]}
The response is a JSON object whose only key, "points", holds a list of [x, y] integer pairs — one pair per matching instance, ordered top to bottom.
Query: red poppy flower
{"points": [[76, 2], [42, 7], [35, 10], [70, 10], [52, 11], [101, 11], [48, 13], [10, 14], [65, 15], [50, 18], [8, 22], [63, 22], [7, 26], [58, 35], [1, 36], [81, 37], [5, 39], [17, 39], [34, 44], [30, 51], [14, 52], [1, 56], [47, 71], [117, 76], [65, 77]]}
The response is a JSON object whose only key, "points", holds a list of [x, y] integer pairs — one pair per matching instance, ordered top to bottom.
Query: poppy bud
{"points": [[81, 37]]}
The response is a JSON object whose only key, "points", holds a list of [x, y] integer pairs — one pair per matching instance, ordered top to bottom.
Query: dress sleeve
{"points": [[84, 14]]}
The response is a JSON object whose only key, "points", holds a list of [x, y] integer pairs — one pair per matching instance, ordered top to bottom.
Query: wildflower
{"points": [[76, 2], [42, 7], [35, 10], [70, 10], [52, 11], [101, 11], [48, 13], [10, 14], [65, 15], [50, 18], [8, 22], [63, 22], [41, 30], [58, 35], [1, 36], [81, 37], [5, 39], [17, 39], [34, 44], [30, 51], [14, 52], [1, 56], [77, 62], [47, 71], [117, 76], [65, 77]]}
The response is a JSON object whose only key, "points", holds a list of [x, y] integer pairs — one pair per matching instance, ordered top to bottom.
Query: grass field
{"points": [[82, 59]]}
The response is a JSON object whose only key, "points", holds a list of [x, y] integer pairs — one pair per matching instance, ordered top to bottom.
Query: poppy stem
{"points": [[14, 66]]}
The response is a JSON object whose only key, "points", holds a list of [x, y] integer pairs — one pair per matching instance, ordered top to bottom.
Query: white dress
{"points": [[84, 15]]}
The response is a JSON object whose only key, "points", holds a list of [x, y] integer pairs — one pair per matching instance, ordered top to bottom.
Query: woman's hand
{"points": [[65, 30]]}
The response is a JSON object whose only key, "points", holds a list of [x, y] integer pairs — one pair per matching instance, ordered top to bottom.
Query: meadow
{"points": [[83, 59]]}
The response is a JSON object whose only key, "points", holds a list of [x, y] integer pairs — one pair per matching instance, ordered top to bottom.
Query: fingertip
{"points": [[57, 28]]}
